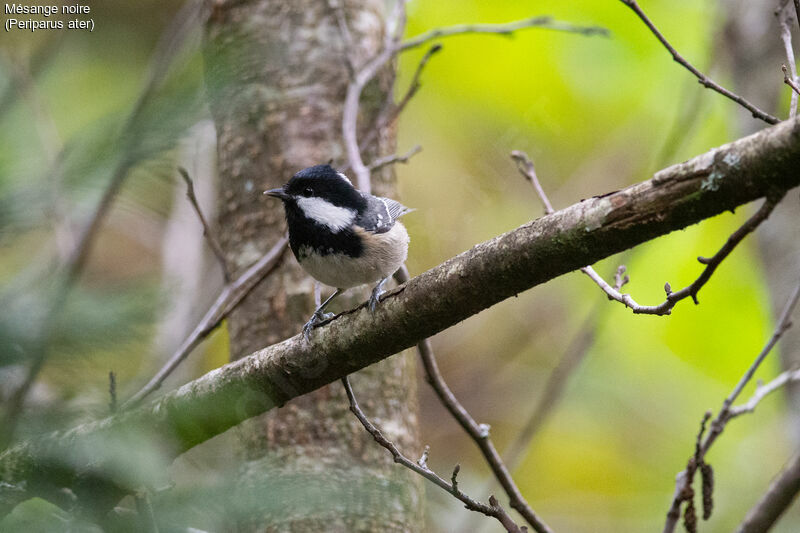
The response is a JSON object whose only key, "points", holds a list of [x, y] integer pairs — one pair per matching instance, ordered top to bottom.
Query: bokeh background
{"points": [[595, 114]]}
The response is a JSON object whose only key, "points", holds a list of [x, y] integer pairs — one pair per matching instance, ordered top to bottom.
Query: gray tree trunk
{"points": [[276, 80]]}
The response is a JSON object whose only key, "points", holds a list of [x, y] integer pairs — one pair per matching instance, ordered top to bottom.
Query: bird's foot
{"points": [[375, 299], [316, 319]]}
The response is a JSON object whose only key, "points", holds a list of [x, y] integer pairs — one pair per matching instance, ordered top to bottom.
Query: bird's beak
{"points": [[277, 193]]}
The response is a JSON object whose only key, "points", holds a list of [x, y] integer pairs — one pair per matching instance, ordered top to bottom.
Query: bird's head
{"points": [[322, 194]]}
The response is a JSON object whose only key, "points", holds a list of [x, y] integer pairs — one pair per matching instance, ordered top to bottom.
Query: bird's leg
{"points": [[376, 294], [319, 315]]}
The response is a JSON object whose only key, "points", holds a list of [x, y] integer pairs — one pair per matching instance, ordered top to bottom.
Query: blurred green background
{"points": [[595, 114]]}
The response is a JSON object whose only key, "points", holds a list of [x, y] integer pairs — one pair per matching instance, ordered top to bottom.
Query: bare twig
{"points": [[397, 20], [506, 29], [393, 45], [702, 78], [789, 78], [415, 84], [795, 89], [388, 116], [394, 158], [525, 167], [207, 233], [691, 290], [232, 294], [762, 391], [478, 432], [684, 479], [493, 510]]}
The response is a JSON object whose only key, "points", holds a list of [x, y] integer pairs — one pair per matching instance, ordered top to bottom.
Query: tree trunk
{"points": [[276, 79]]}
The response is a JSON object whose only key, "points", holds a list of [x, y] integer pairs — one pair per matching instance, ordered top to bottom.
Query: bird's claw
{"points": [[375, 299], [315, 320]]}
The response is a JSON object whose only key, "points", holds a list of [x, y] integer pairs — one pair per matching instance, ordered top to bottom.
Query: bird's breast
{"points": [[381, 254]]}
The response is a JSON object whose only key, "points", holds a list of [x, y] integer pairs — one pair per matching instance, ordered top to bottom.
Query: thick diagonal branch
{"points": [[490, 272]]}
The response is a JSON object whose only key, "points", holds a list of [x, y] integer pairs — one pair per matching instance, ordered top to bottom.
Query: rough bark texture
{"points": [[277, 78], [490, 272]]}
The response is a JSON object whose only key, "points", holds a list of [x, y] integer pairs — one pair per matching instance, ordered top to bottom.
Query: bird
{"points": [[341, 236]]}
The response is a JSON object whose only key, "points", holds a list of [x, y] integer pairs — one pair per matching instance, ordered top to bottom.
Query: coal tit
{"points": [[340, 235]]}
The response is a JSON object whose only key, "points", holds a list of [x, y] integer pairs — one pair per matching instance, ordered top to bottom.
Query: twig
{"points": [[504, 29], [393, 45], [702, 78], [790, 78], [415, 84], [795, 89], [352, 99], [388, 117], [394, 158], [525, 167], [207, 233], [231, 295], [672, 299], [784, 323], [762, 391], [478, 432], [684, 479], [493, 510]]}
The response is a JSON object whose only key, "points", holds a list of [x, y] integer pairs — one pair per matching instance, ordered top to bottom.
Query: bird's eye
{"points": [[308, 191]]}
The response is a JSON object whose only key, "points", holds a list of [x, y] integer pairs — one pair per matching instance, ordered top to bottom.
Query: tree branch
{"points": [[784, 16], [506, 29], [393, 46], [704, 80], [207, 233], [490, 272], [229, 298], [665, 308], [479, 433], [683, 484], [493, 510]]}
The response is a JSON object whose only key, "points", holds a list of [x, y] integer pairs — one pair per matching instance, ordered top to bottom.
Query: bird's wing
{"points": [[381, 214]]}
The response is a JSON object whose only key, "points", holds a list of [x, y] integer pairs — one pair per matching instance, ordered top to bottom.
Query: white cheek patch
{"points": [[325, 213]]}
